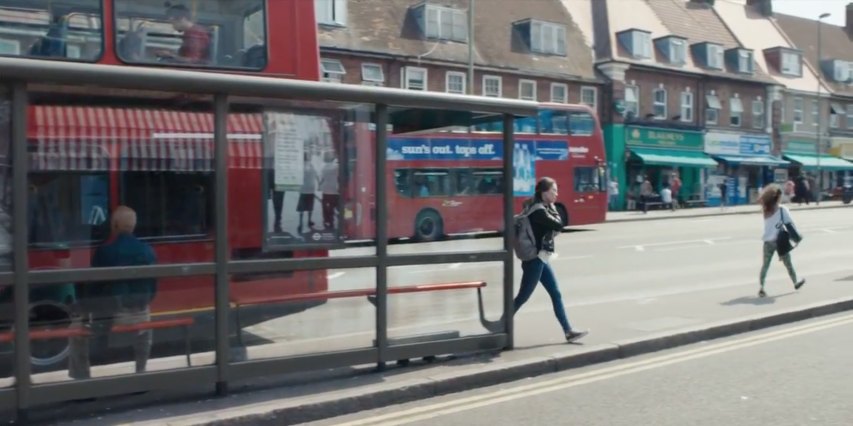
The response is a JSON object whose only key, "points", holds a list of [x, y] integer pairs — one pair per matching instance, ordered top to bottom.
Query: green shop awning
{"points": [[671, 157], [752, 160], [827, 162]]}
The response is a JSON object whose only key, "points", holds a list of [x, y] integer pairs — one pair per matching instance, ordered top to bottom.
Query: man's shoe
{"points": [[573, 336]]}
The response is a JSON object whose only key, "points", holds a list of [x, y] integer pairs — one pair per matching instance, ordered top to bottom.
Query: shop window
{"points": [[46, 29], [211, 33], [169, 204]]}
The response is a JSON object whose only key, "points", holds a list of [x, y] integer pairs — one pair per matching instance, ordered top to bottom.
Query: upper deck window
{"points": [[51, 29], [202, 33]]}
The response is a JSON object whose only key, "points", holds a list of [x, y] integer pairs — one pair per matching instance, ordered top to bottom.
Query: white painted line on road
{"points": [[829, 231], [643, 247], [455, 266], [335, 275], [458, 405]]}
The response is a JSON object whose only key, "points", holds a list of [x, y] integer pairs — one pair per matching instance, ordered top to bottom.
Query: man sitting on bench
{"points": [[120, 302]]}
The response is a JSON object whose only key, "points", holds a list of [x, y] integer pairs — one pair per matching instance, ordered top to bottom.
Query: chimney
{"points": [[765, 7], [849, 22]]}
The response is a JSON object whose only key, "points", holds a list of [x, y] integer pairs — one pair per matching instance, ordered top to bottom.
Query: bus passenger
{"points": [[195, 46], [119, 302]]}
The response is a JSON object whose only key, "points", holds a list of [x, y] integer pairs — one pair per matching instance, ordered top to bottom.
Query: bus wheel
{"points": [[564, 215], [428, 226], [48, 355]]}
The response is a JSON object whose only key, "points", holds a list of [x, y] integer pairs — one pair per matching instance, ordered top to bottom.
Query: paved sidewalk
{"points": [[710, 211], [621, 328]]}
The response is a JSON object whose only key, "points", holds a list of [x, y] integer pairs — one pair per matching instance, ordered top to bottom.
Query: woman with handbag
{"points": [[779, 232]]}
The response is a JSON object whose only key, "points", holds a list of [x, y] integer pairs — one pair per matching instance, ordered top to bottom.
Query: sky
{"points": [[811, 9]]}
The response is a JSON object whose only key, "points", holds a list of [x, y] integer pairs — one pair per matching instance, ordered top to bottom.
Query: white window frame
{"points": [[334, 12], [436, 26], [547, 38], [15, 44], [641, 44], [677, 51], [716, 57], [744, 61], [790, 64], [332, 70], [842, 71], [460, 75], [406, 78], [499, 79], [372, 80], [531, 85], [565, 88], [586, 90], [687, 102], [636, 103], [656, 104], [798, 110], [815, 112], [758, 113], [850, 116], [735, 117], [833, 120]]}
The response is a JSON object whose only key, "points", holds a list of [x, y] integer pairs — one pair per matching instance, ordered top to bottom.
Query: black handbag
{"points": [[788, 237]]}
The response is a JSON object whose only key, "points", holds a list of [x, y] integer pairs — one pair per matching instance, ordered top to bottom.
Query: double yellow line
{"points": [[458, 405]]}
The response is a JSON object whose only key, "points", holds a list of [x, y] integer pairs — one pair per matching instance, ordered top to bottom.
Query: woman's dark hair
{"points": [[544, 185], [769, 198]]}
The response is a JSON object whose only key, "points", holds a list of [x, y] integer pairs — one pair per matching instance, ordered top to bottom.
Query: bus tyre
{"points": [[564, 215], [428, 226], [51, 354]]}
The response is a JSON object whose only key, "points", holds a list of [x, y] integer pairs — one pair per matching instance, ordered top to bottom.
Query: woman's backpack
{"points": [[525, 241]]}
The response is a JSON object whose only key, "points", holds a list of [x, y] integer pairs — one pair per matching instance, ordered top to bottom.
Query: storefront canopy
{"points": [[671, 157], [752, 160], [827, 162]]}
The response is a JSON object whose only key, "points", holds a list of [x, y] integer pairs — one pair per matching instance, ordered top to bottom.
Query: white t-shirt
{"points": [[666, 195], [771, 230]]}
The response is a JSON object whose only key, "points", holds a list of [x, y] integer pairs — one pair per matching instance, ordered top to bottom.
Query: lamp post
{"points": [[470, 47], [819, 143]]}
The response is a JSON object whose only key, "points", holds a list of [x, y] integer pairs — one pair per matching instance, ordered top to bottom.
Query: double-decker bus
{"points": [[91, 152], [450, 182]]}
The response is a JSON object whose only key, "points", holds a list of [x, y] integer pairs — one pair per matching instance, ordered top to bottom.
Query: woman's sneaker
{"points": [[799, 284], [761, 293], [573, 336]]}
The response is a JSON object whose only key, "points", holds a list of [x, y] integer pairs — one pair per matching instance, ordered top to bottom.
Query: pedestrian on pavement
{"points": [[675, 185], [646, 191], [613, 193], [724, 193], [666, 197], [775, 215], [546, 225]]}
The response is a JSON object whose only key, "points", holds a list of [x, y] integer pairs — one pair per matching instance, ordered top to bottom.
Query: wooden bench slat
{"points": [[327, 295], [152, 325], [47, 334]]}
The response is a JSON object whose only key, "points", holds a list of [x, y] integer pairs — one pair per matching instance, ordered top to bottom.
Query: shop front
{"points": [[842, 148], [656, 154], [805, 161], [746, 166]]}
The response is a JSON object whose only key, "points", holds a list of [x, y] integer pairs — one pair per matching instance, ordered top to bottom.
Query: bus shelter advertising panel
{"points": [[301, 189]]}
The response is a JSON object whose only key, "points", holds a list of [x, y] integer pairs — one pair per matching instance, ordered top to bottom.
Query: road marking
{"points": [[642, 247], [335, 275], [547, 386]]}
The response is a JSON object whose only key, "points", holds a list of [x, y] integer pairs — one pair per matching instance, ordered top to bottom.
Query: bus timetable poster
{"points": [[525, 154], [301, 191]]}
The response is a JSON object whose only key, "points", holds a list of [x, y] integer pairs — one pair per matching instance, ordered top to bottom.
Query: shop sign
{"points": [[663, 138], [717, 143], [803, 147]]}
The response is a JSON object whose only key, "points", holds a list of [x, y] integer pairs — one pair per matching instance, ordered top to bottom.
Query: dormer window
{"points": [[442, 23], [546, 38], [637, 42], [674, 48], [715, 56], [740, 60], [791, 63], [841, 71]]}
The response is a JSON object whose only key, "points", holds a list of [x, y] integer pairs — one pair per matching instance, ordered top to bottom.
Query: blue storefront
{"points": [[745, 164]]}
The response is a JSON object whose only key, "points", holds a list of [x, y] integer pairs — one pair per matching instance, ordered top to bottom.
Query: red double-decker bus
{"points": [[90, 152], [446, 183]]}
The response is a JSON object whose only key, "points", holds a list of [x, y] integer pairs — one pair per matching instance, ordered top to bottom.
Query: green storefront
{"points": [[637, 151], [804, 159]]}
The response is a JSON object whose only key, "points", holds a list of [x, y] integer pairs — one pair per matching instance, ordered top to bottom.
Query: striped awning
{"points": [[135, 139]]}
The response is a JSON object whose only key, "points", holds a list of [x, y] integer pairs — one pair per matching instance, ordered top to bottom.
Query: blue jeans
{"points": [[535, 271]]}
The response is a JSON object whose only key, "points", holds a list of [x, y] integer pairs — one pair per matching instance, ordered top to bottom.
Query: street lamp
{"points": [[818, 144]]}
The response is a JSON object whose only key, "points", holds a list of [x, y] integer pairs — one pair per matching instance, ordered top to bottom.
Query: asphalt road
{"points": [[798, 374]]}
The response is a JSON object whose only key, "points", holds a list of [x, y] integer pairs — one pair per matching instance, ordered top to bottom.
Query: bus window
{"points": [[51, 29], [205, 33], [554, 122], [581, 124], [526, 125], [587, 179], [402, 180], [489, 181], [463, 182], [430, 183], [169, 204], [67, 207]]}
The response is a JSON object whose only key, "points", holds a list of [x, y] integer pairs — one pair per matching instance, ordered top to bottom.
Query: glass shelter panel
{"points": [[7, 309], [333, 312]]}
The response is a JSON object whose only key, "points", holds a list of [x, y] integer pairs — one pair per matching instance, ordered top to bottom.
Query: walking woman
{"points": [[775, 215], [546, 224]]}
